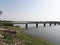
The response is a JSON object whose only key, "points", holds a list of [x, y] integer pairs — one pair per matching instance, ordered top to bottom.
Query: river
{"points": [[51, 33]]}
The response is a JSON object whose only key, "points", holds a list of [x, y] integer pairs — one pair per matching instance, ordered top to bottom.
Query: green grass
{"points": [[8, 38]]}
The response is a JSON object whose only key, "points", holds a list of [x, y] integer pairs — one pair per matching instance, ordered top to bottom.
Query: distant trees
{"points": [[0, 13]]}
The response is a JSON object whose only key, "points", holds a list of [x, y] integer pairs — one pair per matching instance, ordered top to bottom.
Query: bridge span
{"points": [[32, 22]]}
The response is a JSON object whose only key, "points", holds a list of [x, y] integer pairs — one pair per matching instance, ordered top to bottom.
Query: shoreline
{"points": [[24, 38]]}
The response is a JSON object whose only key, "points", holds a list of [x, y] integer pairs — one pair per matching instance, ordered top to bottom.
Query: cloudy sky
{"points": [[30, 10]]}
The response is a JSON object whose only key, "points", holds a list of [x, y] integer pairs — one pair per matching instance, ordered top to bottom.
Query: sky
{"points": [[30, 10]]}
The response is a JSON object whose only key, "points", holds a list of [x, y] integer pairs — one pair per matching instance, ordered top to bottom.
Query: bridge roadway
{"points": [[32, 22]]}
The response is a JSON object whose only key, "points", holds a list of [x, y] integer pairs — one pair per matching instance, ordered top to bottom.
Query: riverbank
{"points": [[21, 38]]}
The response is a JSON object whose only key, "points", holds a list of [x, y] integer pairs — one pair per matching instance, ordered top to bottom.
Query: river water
{"points": [[51, 33]]}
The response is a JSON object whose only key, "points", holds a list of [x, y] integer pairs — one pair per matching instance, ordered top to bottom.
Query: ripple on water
{"points": [[51, 33]]}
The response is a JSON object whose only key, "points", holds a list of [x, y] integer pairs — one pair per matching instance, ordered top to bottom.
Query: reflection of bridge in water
{"points": [[32, 22]]}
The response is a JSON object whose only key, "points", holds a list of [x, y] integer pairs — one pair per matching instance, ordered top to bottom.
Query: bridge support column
{"points": [[54, 23], [44, 24], [50, 24], [36, 25], [26, 26]]}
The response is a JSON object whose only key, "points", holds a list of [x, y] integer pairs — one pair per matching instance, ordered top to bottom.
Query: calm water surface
{"points": [[51, 33]]}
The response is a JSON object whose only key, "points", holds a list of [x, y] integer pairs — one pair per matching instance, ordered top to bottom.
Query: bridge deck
{"points": [[29, 22]]}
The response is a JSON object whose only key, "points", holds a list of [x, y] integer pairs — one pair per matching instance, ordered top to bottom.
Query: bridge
{"points": [[31, 22]]}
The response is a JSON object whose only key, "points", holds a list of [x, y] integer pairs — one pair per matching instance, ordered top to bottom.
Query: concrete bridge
{"points": [[31, 22]]}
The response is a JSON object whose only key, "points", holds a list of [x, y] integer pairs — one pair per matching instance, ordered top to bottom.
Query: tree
{"points": [[0, 12]]}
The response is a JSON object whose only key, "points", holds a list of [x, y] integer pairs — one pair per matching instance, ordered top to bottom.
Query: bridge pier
{"points": [[54, 23], [44, 24], [50, 24], [26, 25], [36, 25]]}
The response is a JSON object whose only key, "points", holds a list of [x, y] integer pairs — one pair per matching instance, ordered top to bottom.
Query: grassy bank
{"points": [[24, 38]]}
